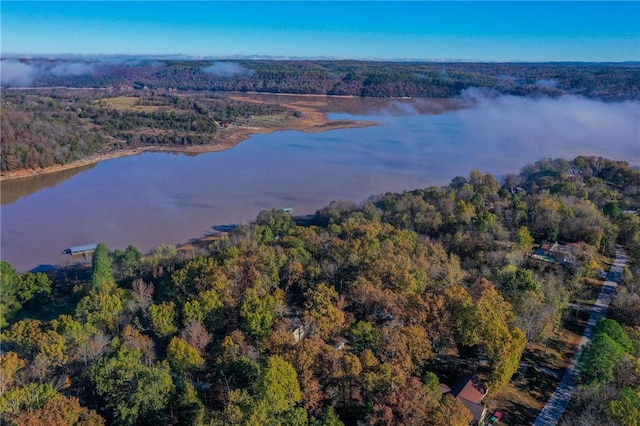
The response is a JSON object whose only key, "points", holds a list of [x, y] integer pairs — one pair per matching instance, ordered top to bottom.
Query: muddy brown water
{"points": [[163, 198]]}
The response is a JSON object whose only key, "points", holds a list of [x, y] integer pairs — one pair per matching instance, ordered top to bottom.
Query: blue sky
{"points": [[489, 31]]}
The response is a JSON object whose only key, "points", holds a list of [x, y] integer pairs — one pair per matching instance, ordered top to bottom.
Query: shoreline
{"points": [[311, 120]]}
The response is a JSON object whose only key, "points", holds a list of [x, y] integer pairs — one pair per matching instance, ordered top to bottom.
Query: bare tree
{"points": [[142, 293], [196, 335], [94, 347]]}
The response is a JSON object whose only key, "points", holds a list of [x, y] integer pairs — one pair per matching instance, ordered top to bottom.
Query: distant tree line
{"points": [[363, 78]]}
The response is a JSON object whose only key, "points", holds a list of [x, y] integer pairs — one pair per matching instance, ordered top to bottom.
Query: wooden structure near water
{"points": [[83, 250]]}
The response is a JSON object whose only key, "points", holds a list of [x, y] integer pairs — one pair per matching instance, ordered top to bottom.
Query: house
{"points": [[556, 253], [299, 331], [338, 343], [469, 390]]}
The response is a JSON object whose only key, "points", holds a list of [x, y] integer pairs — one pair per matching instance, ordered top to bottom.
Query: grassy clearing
{"points": [[119, 102], [131, 103], [270, 120]]}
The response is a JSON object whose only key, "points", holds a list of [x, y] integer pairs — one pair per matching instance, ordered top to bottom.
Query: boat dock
{"points": [[84, 250]]}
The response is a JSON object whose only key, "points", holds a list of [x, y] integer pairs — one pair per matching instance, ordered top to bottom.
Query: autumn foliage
{"points": [[355, 318]]}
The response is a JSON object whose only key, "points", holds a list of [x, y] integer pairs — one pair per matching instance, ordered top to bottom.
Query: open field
{"points": [[130, 103]]}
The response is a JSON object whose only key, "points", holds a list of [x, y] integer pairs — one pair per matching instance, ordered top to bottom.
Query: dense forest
{"points": [[353, 78], [58, 127], [353, 316]]}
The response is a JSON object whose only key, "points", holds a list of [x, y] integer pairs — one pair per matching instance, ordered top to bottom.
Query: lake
{"points": [[163, 198]]}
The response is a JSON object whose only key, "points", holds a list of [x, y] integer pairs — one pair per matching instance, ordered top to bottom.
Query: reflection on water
{"points": [[364, 106], [12, 190], [156, 198]]}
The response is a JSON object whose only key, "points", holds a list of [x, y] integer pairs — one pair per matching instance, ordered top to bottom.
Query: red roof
{"points": [[469, 387]]}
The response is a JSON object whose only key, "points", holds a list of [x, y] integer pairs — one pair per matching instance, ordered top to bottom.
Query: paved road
{"points": [[558, 402]]}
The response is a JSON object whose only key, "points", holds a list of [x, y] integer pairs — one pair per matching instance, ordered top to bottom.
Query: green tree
{"points": [[612, 209], [276, 223], [524, 238], [163, 255], [127, 262], [101, 272], [517, 281], [33, 289], [9, 303], [322, 307], [101, 308], [206, 308], [258, 314], [163, 318], [484, 319], [614, 330], [363, 335], [182, 356], [505, 358], [599, 358], [244, 372], [431, 383], [278, 387], [135, 393], [29, 397], [189, 408], [625, 409], [331, 418]]}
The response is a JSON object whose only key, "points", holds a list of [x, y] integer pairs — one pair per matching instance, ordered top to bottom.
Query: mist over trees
{"points": [[351, 78], [65, 115], [353, 318]]}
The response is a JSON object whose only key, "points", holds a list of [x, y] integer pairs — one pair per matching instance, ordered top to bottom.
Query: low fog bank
{"points": [[227, 69], [16, 72], [20, 73], [566, 126], [501, 133]]}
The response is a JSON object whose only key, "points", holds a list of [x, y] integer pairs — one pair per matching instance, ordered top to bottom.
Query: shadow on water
{"points": [[359, 106], [14, 189], [224, 228], [43, 268]]}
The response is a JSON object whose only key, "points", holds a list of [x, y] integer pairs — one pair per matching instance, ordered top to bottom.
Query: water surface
{"points": [[155, 198]]}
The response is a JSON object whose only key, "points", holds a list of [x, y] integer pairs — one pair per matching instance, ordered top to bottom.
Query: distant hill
{"points": [[608, 81]]}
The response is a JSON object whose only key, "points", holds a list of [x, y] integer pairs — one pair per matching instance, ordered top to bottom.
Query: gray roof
{"points": [[80, 249], [477, 410]]}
